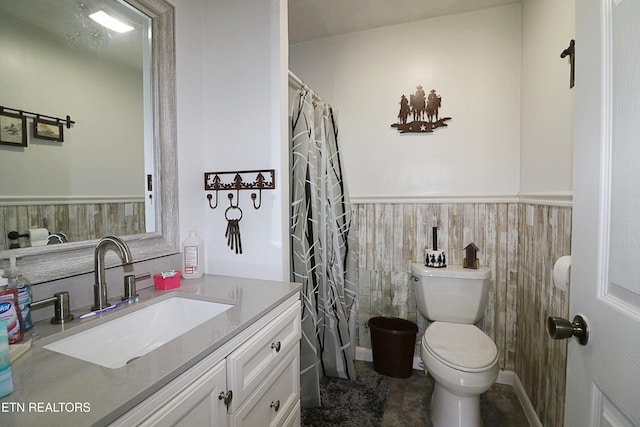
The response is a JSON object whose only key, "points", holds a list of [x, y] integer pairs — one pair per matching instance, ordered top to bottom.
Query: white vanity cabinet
{"points": [[264, 373], [252, 380], [277, 398], [190, 400]]}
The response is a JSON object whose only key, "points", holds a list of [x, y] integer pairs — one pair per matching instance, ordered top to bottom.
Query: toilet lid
{"points": [[460, 346]]}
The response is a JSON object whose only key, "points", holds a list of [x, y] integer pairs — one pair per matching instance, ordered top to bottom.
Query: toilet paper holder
{"points": [[14, 235]]}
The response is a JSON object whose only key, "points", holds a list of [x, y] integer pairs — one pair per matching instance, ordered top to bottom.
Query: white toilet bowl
{"points": [[463, 361]]}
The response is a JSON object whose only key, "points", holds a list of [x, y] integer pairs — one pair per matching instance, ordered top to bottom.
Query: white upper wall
{"points": [[472, 60], [232, 107], [546, 145], [103, 153]]}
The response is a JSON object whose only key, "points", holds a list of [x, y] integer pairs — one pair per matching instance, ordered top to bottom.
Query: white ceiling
{"points": [[314, 19], [68, 21]]}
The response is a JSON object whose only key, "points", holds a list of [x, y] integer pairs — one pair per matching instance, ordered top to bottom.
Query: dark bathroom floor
{"points": [[409, 399]]}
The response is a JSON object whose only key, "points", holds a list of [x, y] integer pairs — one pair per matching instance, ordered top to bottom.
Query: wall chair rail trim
{"points": [[550, 198], [67, 200]]}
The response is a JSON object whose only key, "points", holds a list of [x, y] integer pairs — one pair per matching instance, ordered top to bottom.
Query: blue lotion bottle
{"points": [[6, 382]]}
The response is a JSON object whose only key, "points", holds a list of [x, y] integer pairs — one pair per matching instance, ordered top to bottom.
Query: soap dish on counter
{"points": [[164, 282]]}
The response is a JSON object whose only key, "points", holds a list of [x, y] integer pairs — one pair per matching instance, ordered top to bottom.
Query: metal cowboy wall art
{"points": [[423, 110]]}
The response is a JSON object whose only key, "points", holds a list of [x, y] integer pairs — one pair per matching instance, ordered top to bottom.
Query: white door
{"points": [[603, 377]]}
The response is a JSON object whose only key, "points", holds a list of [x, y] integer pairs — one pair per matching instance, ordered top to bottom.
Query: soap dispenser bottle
{"points": [[192, 256], [17, 281], [10, 312], [6, 382]]}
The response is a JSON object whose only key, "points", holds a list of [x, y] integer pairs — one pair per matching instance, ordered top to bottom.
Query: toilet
{"points": [[461, 358]]}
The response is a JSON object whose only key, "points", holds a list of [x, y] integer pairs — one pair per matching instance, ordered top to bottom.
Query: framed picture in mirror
{"points": [[13, 129], [47, 129]]}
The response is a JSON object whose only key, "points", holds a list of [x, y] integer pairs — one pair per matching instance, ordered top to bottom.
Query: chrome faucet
{"points": [[100, 287]]}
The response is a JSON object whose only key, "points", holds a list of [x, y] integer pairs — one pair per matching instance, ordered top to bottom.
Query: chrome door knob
{"points": [[559, 328]]}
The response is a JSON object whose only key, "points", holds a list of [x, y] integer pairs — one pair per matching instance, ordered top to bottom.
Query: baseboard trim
{"points": [[366, 355], [504, 377], [529, 411]]}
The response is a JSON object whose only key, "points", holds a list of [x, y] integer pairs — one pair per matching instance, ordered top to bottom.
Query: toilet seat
{"points": [[460, 346]]}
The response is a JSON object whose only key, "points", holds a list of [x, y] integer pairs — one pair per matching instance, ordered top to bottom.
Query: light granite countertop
{"points": [[52, 389]]}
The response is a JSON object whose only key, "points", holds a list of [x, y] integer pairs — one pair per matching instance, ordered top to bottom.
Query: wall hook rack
{"points": [[66, 121], [262, 179], [216, 181]]}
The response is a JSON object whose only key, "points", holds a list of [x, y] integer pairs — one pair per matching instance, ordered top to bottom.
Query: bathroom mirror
{"points": [[146, 145]]}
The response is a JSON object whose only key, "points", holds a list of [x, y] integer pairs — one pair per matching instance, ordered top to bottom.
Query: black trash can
{"points": [[393, 342]]}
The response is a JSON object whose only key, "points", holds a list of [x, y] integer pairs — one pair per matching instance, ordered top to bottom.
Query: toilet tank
{"points": [[451, 294]]}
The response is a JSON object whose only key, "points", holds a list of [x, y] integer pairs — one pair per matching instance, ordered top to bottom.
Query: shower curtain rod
{"points": [[302, 85]]}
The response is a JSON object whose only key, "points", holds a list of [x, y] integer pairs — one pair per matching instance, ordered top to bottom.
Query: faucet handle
{"points": [[130, 284], [61, 309]]}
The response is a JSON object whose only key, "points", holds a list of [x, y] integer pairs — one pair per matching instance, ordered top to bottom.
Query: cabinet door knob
{"points": [[276, 346], [227, 397], [275, 405]]}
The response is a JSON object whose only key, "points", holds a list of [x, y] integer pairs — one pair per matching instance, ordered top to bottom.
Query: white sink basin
{"points": [[114, 343]]}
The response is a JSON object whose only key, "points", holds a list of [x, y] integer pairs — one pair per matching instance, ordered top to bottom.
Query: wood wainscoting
{"points": [[78, 221], [391, 236]]}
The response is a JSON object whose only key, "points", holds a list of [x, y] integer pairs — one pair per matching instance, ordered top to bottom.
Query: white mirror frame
{"points": [[47, 263]]}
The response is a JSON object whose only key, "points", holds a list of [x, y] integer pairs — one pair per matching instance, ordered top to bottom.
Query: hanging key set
{"points": [[215, 181], [233, 226]]}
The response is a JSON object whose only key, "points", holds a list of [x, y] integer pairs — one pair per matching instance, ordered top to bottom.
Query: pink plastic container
{"points": [[165, 283]]}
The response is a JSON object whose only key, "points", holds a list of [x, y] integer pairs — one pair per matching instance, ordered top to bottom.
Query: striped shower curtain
{"points": [[322, 251]]}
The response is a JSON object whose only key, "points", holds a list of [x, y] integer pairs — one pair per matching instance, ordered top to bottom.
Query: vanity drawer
{"points": [[254, 360], [274, 401], [293, 420]]}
